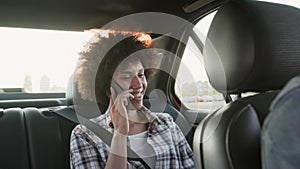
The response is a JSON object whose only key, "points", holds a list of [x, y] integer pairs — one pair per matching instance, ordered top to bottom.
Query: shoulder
{"points": [[165, 118], [165, 123], [78, 131], [81, 131]]}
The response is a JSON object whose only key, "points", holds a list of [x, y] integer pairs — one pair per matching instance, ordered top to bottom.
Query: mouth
{"points": [[138, 95]]}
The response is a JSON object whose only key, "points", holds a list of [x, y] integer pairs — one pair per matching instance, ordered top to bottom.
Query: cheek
{"points": [[123, 84], [126, 84], [144, 84]]}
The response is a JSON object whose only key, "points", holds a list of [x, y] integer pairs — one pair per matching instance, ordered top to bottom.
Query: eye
{"points": [[141, 75], [126, 77]]}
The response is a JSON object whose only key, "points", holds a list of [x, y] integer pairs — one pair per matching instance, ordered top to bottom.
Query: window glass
{"points": [[295, 3], [38, 60], [192, 85]]}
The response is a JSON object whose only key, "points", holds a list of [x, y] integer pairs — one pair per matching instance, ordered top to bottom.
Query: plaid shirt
{"points": [[169, 144]]}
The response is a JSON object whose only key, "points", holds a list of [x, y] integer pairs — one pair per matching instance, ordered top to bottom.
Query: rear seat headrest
{"points": [[253, 46], [85, 108]]}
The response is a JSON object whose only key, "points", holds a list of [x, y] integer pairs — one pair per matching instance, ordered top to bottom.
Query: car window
{"points": [[295, 3], [37, 61], [192, 86]]}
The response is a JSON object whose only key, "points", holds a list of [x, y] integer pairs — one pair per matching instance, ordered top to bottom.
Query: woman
{"points": [[121, 81]]}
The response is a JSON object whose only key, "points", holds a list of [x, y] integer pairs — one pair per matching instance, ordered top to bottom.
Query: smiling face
{"points": [[130, 75]]}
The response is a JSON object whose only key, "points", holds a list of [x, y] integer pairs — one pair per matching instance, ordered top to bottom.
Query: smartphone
{"points": [[118, 89]]}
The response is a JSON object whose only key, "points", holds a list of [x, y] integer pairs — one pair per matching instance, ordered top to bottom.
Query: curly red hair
{"points": [[101, 56]]}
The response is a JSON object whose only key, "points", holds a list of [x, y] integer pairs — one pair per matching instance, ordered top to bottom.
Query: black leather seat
{"points": [[252, 46], [34, 138], [48, 138], [13, 139]]}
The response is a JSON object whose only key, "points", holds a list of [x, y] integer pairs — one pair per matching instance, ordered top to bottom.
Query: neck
{"points": [[135, 127]]}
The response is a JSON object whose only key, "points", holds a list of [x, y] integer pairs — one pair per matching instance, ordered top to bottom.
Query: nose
{"points": [[136, 82]]}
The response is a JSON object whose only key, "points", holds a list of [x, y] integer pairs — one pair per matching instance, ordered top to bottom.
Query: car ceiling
{"points": [[78, 15]]}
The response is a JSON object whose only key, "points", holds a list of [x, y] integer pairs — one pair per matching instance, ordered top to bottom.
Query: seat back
{"points": [[251, 46], [34, 138], [48, 138], [13, 139]]}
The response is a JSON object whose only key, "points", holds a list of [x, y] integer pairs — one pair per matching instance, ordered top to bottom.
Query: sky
{"points": [[37, 53]]}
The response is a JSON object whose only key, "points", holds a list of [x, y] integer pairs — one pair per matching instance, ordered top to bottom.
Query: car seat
{"points": [[251, 46]]}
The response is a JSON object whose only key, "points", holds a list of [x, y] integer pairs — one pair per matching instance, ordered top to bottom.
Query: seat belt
{"points": [[98, 130]]}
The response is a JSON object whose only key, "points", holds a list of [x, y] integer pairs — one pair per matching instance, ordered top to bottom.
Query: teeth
{"points": [[137, 94]]}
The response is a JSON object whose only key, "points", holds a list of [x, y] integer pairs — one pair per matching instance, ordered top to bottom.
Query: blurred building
{"points": [[44, 83], [27, 85]]}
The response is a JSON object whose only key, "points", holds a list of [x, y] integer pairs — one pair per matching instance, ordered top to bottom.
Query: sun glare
{"points": [[38, 60]]}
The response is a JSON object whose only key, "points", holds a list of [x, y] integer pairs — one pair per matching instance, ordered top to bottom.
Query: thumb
{"points": [[112, 95]]}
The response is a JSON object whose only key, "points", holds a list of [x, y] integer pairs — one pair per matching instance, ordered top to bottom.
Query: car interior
{"points": [[251, 47]]}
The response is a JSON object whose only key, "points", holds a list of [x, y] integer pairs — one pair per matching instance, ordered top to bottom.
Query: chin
{"points": [[137, 105]]}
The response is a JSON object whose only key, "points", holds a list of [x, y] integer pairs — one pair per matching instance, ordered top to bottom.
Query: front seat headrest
{"points": [[253, 46]]}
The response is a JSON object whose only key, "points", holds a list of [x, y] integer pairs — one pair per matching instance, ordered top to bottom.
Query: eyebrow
{"points": [[129, 72]]}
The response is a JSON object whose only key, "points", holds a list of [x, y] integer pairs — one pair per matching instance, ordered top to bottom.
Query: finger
{"points": [[112, 94], [122, 96], [131, 96], [126, 98], [111, 104], [120, 106], [112, 110], [113, 113]]}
